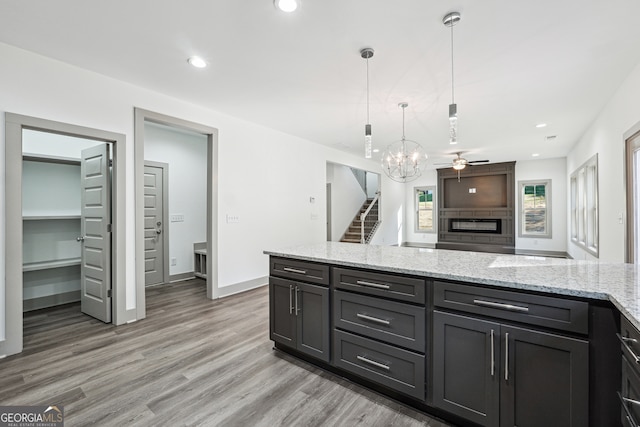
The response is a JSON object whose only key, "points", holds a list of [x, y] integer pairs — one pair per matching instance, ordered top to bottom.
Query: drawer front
{"points": [[299, 270], [378, 284], [550, 312], [393, 322], [630, 343], [397, 369], [630, 394]]}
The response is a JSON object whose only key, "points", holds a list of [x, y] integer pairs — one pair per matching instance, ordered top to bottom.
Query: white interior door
{"points": [[153, 226], [95, 267]]}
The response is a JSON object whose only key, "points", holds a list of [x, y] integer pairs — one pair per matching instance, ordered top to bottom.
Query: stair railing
{"points": [[363, 217]]}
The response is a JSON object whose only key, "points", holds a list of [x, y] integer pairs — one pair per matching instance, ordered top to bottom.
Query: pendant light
{"points": [[450, 20], [367, 53], [404, 160]]}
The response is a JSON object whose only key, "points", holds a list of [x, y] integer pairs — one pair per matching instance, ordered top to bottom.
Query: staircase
{"points": [[353, 233]]}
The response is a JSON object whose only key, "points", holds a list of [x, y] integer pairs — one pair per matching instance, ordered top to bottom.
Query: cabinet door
{"points": [[311, 308], [282, 321], [465, 367], [545, 379]]}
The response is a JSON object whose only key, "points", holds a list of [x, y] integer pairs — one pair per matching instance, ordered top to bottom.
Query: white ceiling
{"points": [[517, 63]]}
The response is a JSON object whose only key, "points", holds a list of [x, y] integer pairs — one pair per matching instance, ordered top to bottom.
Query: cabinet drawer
{"points": [[299, 270], [378, 284], [556, 313], [393, 322], [630, 343], [397, 369], [630, 394]]}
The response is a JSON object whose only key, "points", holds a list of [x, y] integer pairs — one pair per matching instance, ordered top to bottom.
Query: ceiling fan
{"points": [[460, 163]]}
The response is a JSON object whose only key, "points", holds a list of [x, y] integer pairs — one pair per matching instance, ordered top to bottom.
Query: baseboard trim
{"points": [[419, 245], [549, 254], [182, 276], [236, 288], [50, 301]]}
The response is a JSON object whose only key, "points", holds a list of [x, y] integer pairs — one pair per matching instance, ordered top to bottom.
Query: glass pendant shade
{"points": [[453, 123], [367, 141]]}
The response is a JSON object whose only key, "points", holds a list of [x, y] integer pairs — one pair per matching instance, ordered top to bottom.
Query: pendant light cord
{"points": [[452, 83], [368, 90]]}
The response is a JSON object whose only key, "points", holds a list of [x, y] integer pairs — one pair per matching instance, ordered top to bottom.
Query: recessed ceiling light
{"points": [[286, 5], [197, 62], [541, 125], [376, 150], [535, 155]]}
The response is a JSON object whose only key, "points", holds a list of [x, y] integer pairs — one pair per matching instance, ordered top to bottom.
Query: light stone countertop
{"points": [[616, 282]]}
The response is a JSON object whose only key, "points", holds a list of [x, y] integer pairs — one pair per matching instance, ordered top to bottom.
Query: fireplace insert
{"points": [[492, 226]]}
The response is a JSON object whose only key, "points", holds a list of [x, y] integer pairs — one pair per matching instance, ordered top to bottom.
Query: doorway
{"points": [[142, 118], [15, 127]]}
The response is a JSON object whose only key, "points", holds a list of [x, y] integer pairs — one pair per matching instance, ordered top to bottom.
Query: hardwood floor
{"points": [[192, 361]]}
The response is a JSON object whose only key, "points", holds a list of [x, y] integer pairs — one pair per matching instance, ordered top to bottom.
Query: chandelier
{"points": [[404, 160]]}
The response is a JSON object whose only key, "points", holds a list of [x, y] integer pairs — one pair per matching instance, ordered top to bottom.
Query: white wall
{"points": [[605, 137], [186, 155], [283, 169], [556, 171], [428, 178], [347, 198]]}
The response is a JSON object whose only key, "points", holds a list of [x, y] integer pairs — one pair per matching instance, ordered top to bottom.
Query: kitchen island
{"points": [[475, 338]]}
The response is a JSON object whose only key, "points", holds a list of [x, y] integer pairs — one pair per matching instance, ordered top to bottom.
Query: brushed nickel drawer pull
{"points": [[294, 270], [373, 285], [290, 299], [501, 306], [373, 319], [624, 341], [493, 355], [506, 357], [373, 363], [632, 401], [627, 413]]}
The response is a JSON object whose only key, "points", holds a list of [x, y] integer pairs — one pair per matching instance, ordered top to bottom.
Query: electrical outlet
{"points": [[177, 218], [174, 261]]}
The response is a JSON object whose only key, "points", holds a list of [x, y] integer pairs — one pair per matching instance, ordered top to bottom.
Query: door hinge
{"points": [[110, 163], [108, 228], [108, 293]]}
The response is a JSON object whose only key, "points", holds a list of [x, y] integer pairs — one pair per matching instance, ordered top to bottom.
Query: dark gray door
{"points": [[153, 226], [95, 267], [311, 304], [282, 321], [466, 357], [546, 381]]}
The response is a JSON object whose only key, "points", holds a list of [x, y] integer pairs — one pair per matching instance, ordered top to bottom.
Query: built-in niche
{"points": [[477, 209]]}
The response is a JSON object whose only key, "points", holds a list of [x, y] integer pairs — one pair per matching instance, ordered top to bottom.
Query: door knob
{"points": [[158, 231], [80, 239]]}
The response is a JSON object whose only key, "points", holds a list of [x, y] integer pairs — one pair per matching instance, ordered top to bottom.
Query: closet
{"points": [[51, 218], [51, 225]]}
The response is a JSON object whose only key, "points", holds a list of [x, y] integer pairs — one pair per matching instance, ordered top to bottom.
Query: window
{"points": [[584, 206], [535, 208], [425, 209]]}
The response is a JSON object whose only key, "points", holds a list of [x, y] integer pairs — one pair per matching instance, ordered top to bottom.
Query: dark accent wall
{"points": [[483, 192]]}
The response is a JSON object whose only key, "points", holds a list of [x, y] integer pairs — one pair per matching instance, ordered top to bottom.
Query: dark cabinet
{"points": [[299, 316], [500, 375], [630, 391]]}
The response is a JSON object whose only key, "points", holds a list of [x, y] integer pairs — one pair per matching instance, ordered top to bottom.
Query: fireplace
{"points": [[458, 225]]}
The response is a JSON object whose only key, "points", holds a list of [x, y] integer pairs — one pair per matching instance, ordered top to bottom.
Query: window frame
{"points": [[416, 205], [521, 216], [584, 225]]}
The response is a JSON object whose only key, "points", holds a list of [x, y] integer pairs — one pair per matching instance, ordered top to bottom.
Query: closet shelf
{"points": [[48, 217], [45, 265]]}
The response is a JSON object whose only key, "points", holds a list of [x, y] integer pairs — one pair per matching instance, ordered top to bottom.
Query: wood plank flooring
{"points": [[192, 361]]}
